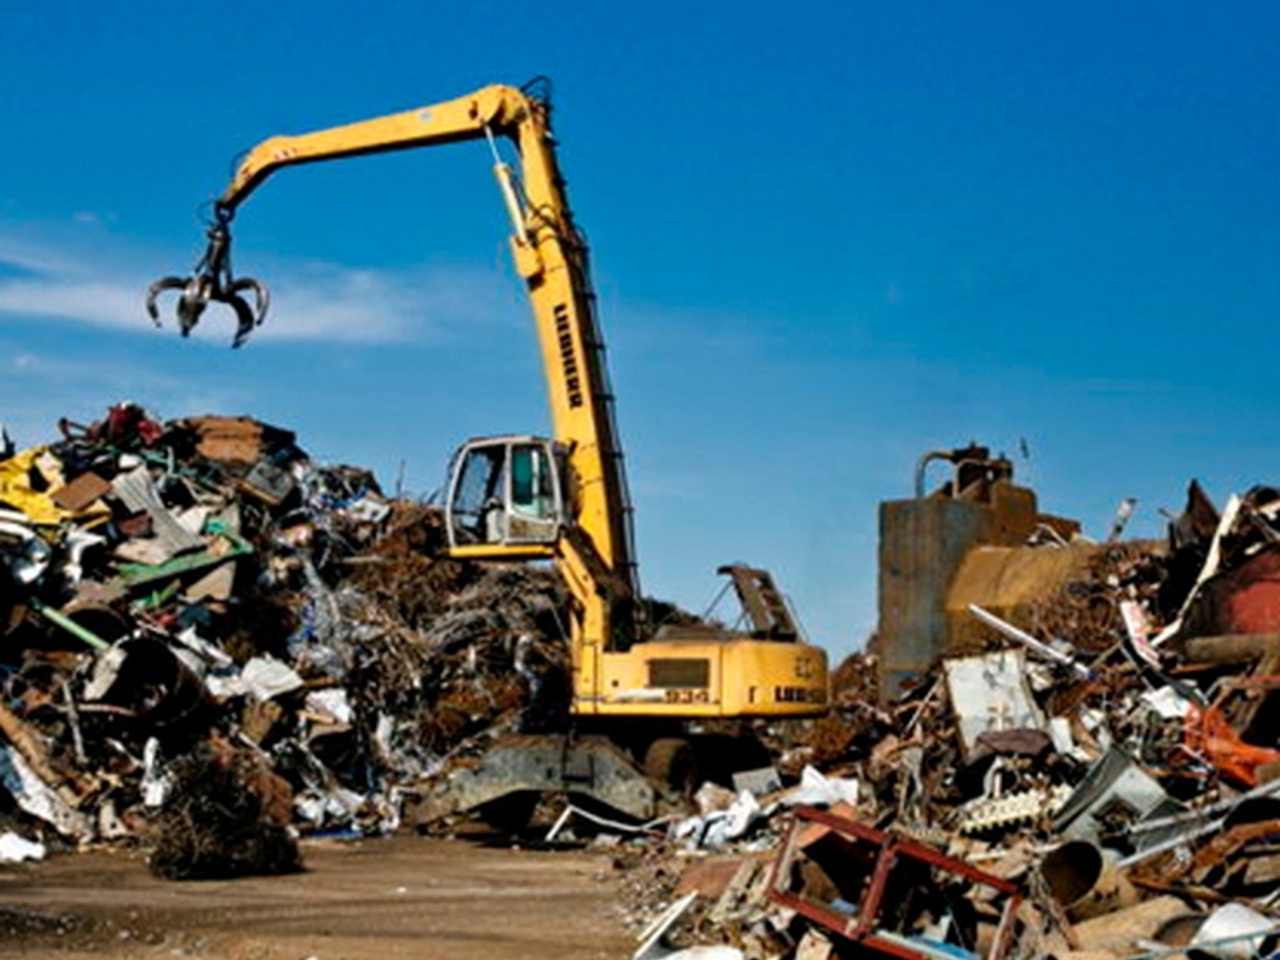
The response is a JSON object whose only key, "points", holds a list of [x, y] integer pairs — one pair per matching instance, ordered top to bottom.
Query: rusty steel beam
{"points": [[1232, 648]]}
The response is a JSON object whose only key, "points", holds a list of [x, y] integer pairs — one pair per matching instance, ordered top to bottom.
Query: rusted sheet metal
{"points": [[922, 543], [1008, 581], [1247, 600], [1232, 648], [1212, 859], [1118, 932]]}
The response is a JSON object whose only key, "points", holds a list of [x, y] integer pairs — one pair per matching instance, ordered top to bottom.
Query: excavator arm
{"points": [[497, 109]]}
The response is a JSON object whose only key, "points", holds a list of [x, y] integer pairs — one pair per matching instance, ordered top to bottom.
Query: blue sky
{"points": [[827, 237]]}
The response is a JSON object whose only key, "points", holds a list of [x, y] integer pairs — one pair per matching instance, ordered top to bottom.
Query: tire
{"points": [[721, 755], [671, 767], [510, 814]]}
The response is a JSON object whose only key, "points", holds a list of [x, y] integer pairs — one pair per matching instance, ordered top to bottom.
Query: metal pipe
{"points": [[923, 464], [84, 635], [1027, 640], [1231, 647], [1190, 816], [1172, 843]]}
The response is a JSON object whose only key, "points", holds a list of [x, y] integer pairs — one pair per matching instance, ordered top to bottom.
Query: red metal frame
{"points": [[861, 928]]}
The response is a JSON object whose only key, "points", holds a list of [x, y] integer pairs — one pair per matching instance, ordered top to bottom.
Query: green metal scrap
{"points": [[134, 575], [57, 617]]}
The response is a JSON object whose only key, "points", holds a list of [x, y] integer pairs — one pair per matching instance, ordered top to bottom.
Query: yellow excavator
{"points": [[636, 686]]}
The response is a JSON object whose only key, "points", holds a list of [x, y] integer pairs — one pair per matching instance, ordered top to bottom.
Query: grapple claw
{"points": [[213, 281], [157, 288], [261, 297], [245, 317]]}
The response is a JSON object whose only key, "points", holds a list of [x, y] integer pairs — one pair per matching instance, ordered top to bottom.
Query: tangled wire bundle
{"points": [[221, 820]]}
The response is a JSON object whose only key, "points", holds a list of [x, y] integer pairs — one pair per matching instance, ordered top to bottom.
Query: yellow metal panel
{"points": [[17, 492], [498, 551], [1008, 581], [747, 678]]}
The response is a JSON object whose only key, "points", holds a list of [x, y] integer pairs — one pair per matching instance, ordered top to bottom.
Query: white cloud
{"points": [[20, 253], [69, 298], [313, 301], [330, 302], [20, 369], [36, 389]]}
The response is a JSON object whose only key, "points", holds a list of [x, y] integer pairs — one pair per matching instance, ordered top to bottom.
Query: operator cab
{"points": [[506, 492]]}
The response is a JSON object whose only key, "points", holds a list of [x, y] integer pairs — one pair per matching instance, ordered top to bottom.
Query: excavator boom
{"points": [[497, 109]]}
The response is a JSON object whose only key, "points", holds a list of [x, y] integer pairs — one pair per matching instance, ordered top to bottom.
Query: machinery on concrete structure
{"points": [[562, 499], [970, 541]]}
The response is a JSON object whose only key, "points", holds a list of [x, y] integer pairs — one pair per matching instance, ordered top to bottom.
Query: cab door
{"points": [[506, 492]]}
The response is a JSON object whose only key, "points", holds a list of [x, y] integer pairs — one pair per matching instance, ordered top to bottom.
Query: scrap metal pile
{"points": [[213, 643], [1100, 779]]}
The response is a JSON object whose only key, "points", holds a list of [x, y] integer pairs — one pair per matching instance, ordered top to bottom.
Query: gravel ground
{"points": [[369, 900]]}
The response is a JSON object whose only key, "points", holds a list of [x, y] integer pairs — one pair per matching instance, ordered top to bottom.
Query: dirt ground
{"points": [[368, 900]]}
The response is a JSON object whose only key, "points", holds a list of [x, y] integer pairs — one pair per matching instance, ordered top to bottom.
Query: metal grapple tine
{"points": [[157, 288], [261, 296], [245, 317]]}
